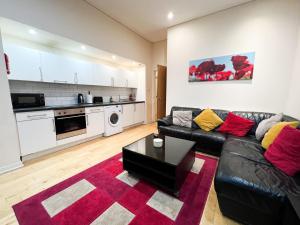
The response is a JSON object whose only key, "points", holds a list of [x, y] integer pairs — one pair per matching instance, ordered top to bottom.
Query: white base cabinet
{"points": [[139, 112], [133, 114], [128, 115], [94, 121], [36, 131]]}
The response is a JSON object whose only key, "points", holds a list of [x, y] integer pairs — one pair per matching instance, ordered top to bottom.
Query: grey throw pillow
{"points": [[182, 118], [266, 124]]}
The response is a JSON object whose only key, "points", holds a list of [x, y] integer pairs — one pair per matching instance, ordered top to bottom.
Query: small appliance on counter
{"points": [[132, 97], [89, 98], [80, 99], [27, 100], [97, 100]]}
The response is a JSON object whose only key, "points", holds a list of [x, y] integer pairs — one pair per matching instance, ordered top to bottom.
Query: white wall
{"points": [[77, 20], [268, 27], [159, 54], [159, 57], [293, 101], [9, 144]]}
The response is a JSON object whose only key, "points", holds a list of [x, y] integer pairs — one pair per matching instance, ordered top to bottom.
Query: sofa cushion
{"points": [[195, 112], [257, 117], [182, 118], [208, 120], [266, 124], [236, 125], [177, 131], [271, 135], [211, 140], [246, 147], [284, 153]]}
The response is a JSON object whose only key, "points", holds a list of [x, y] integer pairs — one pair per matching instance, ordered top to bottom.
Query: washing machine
{"points": [[112, 120]]}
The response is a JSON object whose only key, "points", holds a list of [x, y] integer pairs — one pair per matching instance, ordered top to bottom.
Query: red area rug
{"points": [[104, 194]]}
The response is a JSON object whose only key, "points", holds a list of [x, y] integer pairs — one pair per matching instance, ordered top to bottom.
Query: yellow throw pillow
{"points": [[208, 120], [271, 135]]}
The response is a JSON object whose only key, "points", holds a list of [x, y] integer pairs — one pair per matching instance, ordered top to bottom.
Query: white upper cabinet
{"points": [[25, 63], [34, 65], [57, 68], [83, 72], [102, 75], [120, 79], [132, 79]]}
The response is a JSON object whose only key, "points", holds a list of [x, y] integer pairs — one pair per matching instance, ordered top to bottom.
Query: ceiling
{"points": [[149, 18]]}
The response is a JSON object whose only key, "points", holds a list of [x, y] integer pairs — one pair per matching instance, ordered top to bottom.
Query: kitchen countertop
{"points": [[84, 105]]}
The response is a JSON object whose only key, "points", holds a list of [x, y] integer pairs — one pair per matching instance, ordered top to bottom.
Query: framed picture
{"points": [[229, 67]]}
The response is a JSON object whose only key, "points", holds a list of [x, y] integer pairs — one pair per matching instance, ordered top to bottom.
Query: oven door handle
{"points": [[69, 117]]}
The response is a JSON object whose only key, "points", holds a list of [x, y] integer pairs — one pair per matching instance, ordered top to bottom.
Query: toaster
{"points": [[97, 100]]}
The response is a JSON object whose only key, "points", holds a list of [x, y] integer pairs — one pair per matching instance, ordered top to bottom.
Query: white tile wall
{"points": [[64, 94]]}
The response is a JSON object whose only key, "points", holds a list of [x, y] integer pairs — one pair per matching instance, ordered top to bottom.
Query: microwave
{"points": [[27, 100]]}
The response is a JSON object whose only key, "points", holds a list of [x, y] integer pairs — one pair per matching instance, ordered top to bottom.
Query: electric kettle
{"points": [[80, 98]]}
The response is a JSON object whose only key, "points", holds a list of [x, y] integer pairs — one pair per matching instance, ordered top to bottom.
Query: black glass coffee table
{"points": [[165, 167]]}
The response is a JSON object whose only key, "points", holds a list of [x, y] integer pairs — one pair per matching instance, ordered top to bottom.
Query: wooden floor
{"points": [[42, 173]]}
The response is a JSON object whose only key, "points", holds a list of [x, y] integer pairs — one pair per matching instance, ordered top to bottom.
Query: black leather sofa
{"points": [[249, 189]]}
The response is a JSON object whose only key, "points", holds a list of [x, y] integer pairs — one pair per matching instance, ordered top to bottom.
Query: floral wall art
{"points": [[229, 67]]}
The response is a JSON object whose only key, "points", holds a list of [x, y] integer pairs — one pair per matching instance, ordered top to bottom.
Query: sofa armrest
{"points": [[166, 121]]}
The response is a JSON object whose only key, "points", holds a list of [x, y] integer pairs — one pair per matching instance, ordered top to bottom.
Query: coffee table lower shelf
{"points": [[165, 176]]}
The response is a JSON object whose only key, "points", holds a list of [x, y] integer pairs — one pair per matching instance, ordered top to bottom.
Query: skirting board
{"points": [[58, 148], [10, 167]]}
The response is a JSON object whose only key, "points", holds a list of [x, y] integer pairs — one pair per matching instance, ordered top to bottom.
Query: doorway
{"points": [[161, 91]]}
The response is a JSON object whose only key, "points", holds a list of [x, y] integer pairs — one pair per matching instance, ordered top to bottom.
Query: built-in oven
{"points": [[27, 100], [70, 122]]}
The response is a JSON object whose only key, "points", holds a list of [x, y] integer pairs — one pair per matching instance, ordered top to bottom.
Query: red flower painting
{"points": [[231, 67]]}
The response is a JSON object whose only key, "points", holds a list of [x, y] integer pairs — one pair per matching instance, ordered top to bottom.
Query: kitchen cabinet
{"points": [[25, 63], [34, 65], [57, 68], [83, 72], [102, 75], [126, 78], [120, 79], [132, 79], [139, 112], [133, 114], [128, 115], [94, 121], [36, 131]]}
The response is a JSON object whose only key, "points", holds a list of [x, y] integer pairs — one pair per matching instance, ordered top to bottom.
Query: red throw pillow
{"points": [[236, 125], [284, 152]]}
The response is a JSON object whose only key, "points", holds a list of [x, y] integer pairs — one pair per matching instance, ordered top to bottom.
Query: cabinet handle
{"points": [[41, 73], [75, 78], [61, 81], [112, 82], [127, 83], [41, 115], [87, 120], [54, 127]]}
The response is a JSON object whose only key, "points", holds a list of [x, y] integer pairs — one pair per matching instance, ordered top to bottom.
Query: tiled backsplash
{"points": [[64, 94]]}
